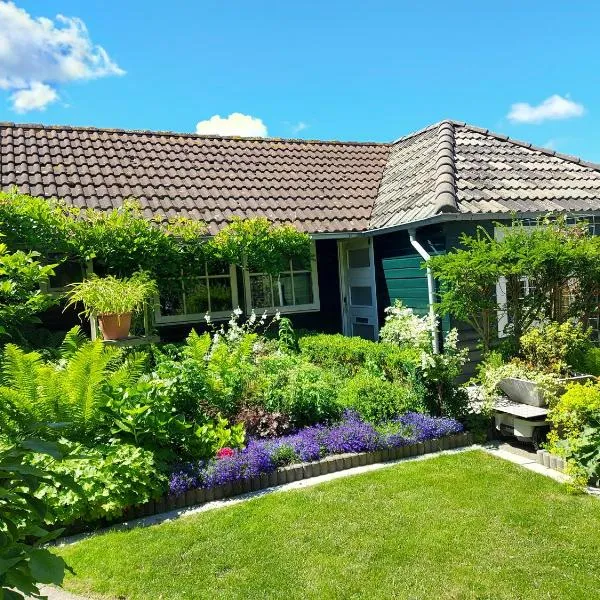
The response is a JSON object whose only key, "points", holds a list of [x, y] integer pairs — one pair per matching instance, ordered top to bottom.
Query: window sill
{"points": [[286, 310]]}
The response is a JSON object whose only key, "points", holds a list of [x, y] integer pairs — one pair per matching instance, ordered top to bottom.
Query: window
{"points": [[66, 272], [293, 290], [191, 296]]}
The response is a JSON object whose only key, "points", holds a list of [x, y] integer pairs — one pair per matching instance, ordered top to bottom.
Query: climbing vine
{"points": [[124, 240]]}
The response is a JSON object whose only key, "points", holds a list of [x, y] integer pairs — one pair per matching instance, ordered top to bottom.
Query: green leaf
{"points": [[46, 567]]}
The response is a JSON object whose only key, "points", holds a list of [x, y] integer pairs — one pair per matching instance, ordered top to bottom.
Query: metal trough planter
{"points": [[528, 392]]}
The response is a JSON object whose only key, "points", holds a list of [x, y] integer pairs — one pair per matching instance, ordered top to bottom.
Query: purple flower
{"points": [[351, 434]]}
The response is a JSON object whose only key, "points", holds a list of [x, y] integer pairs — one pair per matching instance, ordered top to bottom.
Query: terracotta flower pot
{"points": [[113, 326]]}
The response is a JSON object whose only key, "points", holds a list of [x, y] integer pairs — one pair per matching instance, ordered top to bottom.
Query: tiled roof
{"points": [[449, 167], [455, 167], [317, 186]]}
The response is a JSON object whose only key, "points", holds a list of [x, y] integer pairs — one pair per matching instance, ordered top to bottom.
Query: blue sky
{"points": [[329, 70]]}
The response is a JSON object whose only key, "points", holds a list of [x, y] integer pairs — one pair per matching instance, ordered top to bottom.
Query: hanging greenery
{"points": [[124, 240], [261, 246]]}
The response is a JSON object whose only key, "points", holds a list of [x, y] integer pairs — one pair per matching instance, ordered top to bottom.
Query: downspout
{"points": [[412, 236]]}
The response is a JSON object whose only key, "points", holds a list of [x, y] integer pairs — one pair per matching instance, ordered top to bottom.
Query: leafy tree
{"points": [[468, 277]]}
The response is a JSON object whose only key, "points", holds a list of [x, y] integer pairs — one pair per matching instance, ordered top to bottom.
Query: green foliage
{"points": [[123, 241], [261, 246], [553, 257], [21, 275], [468, 277], [111, 295], [288, 341], [551, 346], [350, 355], [587, 361], [439, 374], [71, 391], [305, 392], [377, 399], [149, 414], [576, 430], [284, 455], [109, 479], [24, 561]]}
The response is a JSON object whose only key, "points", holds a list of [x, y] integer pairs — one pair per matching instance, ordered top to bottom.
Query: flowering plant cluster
{"points": [[404, 328], [351, 434]]}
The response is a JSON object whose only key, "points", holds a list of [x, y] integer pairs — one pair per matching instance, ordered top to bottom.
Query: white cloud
{"points": [[37, 54], [36, 97], [553, 108], [235, 124], [298, 127]]}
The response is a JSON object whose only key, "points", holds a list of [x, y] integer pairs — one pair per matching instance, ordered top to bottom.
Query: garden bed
{"points": [[295, 472]]}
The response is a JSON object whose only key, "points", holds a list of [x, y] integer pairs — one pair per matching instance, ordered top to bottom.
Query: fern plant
{"points": [[66, 395]]}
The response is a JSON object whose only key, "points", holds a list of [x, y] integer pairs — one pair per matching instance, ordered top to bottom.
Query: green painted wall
{"points": [[398, 269]]}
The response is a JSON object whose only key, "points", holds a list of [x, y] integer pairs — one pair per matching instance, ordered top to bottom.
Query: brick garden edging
{"points": [[329, 464]]}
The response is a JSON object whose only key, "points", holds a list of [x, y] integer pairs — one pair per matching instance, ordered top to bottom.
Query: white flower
{"points": [[237, 312], [277, 316], [207, 318]]}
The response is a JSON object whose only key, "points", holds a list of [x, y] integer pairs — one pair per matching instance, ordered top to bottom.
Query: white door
{"points": [[357, 286]]}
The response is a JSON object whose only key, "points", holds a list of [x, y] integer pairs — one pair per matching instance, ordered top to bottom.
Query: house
{"points": [[374, 210]]}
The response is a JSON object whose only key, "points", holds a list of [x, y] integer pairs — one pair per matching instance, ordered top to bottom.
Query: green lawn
{"points": [[459, 526]]}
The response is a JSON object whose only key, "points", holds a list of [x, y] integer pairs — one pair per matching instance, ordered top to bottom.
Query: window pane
{"points": [[360, 258], [301, 265], [217, 267], [65, 273], [303, 288], [261, 291], [220, 294], [287, 295], [361, 295], [196, 296], [171, 299], [363, 331]]}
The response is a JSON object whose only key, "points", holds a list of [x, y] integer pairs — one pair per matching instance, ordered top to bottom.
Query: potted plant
{"points": [[113, 300]]}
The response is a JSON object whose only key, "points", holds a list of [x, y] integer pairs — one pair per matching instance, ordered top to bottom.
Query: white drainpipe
{"points": [[412, 235]]}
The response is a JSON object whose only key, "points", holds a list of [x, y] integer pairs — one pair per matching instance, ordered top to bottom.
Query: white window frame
{"points": [[501, 295], [314, 306], [161, 319]]}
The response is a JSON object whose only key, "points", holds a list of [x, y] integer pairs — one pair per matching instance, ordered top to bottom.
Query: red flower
{"points": [[225, 452]]}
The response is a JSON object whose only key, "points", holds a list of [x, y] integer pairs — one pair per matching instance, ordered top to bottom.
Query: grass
{"points": [[460, 526]]}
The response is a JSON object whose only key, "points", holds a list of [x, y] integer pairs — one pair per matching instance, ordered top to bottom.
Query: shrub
{"points": [[21, 274], [403, 327], [552, 346], [350, 355], [587, 361], [306, 392], [377, 399], [576, 408], [576, 430], [108, 478]]}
